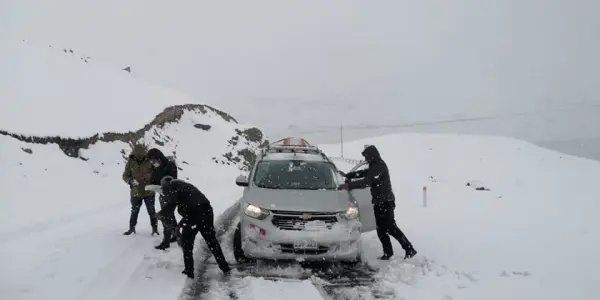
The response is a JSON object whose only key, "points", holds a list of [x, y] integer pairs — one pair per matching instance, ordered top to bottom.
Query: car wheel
{"points": [[238, 253], [355, 261], [351, 263]]}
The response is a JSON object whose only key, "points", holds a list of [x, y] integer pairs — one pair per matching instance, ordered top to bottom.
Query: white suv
{"points": [[291, 208]]}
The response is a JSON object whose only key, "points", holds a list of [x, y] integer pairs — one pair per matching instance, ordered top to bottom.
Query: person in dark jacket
{"points": [[164, 167], [138, 173], [377, 176], [197, 216]]}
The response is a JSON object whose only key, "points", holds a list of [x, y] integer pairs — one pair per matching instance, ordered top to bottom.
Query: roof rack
{"points": [[291, 145], [294, 145]]}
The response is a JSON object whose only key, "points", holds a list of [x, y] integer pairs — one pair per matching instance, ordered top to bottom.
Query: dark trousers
{"points": [[136, 204], [169, 222], [202, 222], [386, 226]]}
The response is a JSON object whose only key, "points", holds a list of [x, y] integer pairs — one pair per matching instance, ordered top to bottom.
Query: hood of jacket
{"points": [[138, 152], [154, 153], [371, 154]]}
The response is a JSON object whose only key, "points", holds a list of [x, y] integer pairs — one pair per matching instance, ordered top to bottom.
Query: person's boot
{"points": [[130, 231], [173, 239], [163, 245], [410, 252], [385, 257], [224, 266], [188, 272]]}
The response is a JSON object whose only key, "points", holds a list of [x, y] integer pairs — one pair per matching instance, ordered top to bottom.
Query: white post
{"points": [[342, 140], [424, 196]]}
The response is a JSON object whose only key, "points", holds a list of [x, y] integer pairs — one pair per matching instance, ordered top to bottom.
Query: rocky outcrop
{"points": [[244, 146], [239, 154]]}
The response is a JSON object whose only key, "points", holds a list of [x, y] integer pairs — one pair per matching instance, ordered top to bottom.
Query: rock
{"points": [[172, 114], [203, 126], [251, 134]]}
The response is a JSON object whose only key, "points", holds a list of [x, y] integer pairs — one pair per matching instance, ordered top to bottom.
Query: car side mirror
{"points": [[241, 180]]}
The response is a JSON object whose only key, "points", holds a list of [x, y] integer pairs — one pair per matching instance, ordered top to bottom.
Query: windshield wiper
{"points": [[269, 187]]}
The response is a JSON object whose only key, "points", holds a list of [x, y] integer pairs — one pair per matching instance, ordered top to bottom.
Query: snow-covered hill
{"points": [[526, 69], [45, 89], [62, 154]]}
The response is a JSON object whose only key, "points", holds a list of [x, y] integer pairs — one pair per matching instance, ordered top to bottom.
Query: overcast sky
{"points": [[350, 62]]}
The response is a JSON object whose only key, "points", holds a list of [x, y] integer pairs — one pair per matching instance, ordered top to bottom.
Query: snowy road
{"points": [[268, 278], [321, 280]]}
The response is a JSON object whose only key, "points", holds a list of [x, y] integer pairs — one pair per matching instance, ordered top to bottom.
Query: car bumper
{"points": [[261, 239]]}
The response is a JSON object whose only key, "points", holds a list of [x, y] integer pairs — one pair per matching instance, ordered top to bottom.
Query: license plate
{"points": [[305, 244]]}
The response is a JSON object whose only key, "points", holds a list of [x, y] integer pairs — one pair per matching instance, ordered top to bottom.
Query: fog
{"points": [[521, 68]]}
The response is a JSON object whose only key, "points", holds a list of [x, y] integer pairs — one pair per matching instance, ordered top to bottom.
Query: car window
{"points": [[295, 174]]}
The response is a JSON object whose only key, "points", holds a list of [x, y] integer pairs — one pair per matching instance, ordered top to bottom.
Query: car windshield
{"points": [[295, 174]]}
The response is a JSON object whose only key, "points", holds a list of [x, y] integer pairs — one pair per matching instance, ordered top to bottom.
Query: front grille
{"points": [[299, 213], [288, 220], [289, 248]]}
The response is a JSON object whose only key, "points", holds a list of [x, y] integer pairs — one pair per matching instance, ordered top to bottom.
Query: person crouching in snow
{"points": [[164, 167], [138, 173], [197, 216]]}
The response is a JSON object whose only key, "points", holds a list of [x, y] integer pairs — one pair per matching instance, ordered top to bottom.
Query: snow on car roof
{"points": [[294, 156]]}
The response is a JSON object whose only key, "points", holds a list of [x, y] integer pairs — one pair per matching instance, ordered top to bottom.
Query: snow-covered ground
{"points": [[62, 218], [534, 235]]}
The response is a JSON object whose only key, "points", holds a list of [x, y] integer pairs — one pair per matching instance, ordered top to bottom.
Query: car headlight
{"points": [[256, 212], [350, 214]]}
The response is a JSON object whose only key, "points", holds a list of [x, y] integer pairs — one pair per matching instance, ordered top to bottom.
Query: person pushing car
{"points": [[377, 176]]}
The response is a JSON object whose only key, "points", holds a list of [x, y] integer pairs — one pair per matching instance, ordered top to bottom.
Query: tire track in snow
{"points": [[337, 282], [346, 282], [201, 285]]}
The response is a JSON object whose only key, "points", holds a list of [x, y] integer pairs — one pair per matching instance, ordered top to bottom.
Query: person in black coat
{"points": [[164, 167], [377, 176], [197, 216]]}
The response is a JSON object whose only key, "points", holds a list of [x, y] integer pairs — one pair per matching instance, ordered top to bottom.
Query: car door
{"points": [[362, 198]]}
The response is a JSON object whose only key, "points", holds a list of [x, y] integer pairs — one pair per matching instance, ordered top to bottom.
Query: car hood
{"points": [[299, 200]]}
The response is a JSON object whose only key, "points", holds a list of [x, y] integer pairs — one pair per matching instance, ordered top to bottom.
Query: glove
{"points": [[134, 182], [343, 186]]}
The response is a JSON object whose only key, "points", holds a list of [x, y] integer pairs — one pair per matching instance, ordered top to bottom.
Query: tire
{"points": [[238, 252], [355, 261], [352, 263]]}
